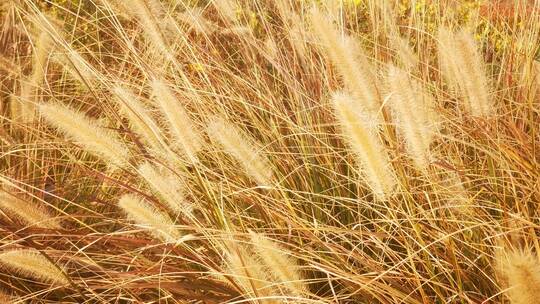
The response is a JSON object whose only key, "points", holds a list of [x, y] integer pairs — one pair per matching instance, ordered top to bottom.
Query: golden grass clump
{"points": [[148, 12], [351, 63], [463, 68], [23, 107], [414, 113], [139, 118], [86, 132], [185, 134], [361, 134], [242, 148], [284, 151], [167, 186], [31, 213], [159, 224], [33, 264], [281, 265], [520, 269], [250, 274]]}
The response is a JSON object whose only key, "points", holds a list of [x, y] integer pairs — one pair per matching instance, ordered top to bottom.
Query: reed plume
{"points": [[351, 63], [462, 66], [414, 111], [85, 131], [186, 135], [363, 139], [242, 148], [167, 186], [30, 213], [142, 213], [33, 264], [283, 268], [520, 269]]}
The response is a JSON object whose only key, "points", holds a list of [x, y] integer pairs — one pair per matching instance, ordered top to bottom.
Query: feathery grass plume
{"points": [[118, 7], [228, 9], [148, 12], [195, 19], [295, 27], [298, 37], [43, 48], [271, 49], [408, 59], [351, 63], [8, 66], [462, 66], [78, 67], [536, 68], [25, 108], [413, 109], [139, 118], [85, 131], [361, 132], [186, 135], [242, 148], [167, 186], [456, 194], [30, 213], [142, 213], [31, 263], [281, 265], [520, 269], [248, 272], [6, 298]]}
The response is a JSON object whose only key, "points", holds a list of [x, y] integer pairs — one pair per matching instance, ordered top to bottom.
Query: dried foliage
{"points": [[248, 151]]}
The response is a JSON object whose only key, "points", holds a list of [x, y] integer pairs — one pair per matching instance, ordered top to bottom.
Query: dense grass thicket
{"points": [[269, 151]]}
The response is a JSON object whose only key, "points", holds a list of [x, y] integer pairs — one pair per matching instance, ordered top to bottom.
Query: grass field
{"points": [[269, 151]]}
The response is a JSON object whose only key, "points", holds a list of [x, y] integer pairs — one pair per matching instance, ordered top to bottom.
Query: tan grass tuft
{"points": [[228, 9], [150, 15], [351, 62], [463, 68], [25, 109], [414, 110], [139, 118], [87, 133], [186, 135], [363, 139], [242, 148], [167, 186], [30, 213], [142, 213], [31, 263], [283, 268], [520, 269], [248, 272]]}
